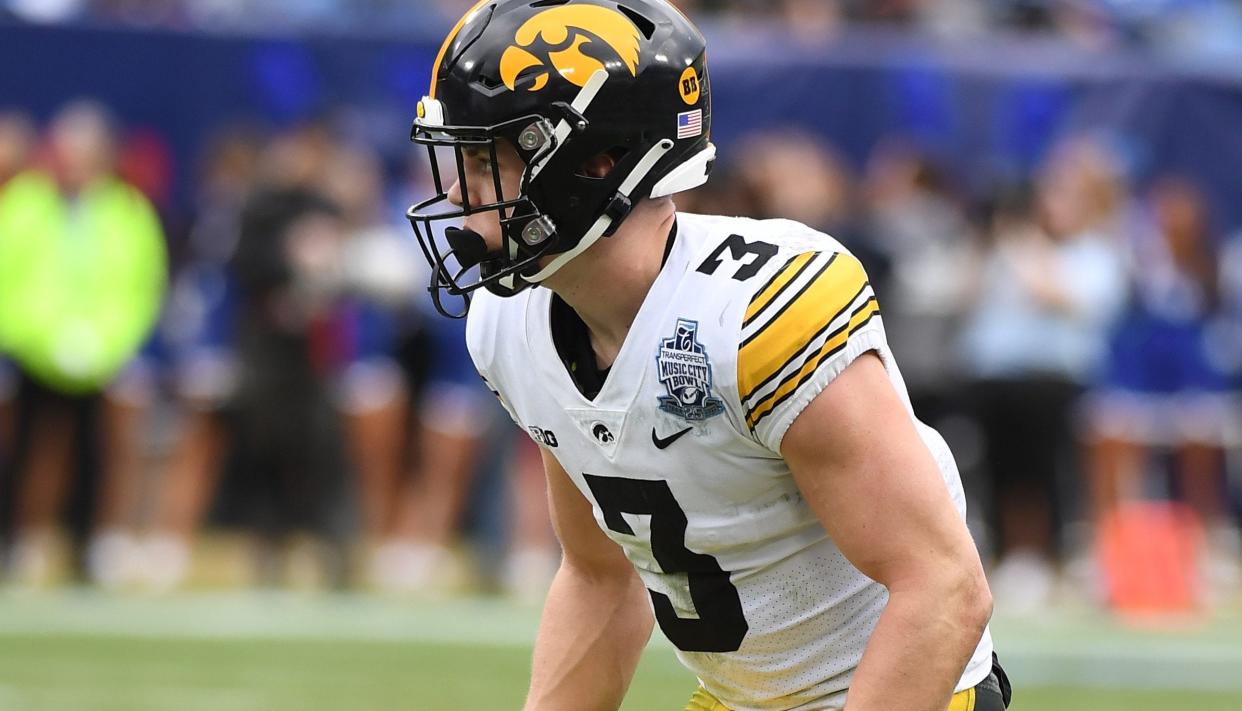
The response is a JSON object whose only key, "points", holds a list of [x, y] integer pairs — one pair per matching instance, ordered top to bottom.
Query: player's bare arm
{"points": [[862, 466], [597, 619]]}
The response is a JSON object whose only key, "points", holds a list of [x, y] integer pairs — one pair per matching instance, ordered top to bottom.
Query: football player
{"points": [[729, 446]]}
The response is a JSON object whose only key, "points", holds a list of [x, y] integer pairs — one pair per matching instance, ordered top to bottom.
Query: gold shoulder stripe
{"points": [[785, 276], [814, 278], [820, 302], [831, 347], [808, 348]]}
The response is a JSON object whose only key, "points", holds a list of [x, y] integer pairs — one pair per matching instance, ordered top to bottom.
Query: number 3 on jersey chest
{"points": [[721, 625]]}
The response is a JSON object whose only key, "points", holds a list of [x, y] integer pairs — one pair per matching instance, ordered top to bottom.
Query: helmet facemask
{"points": [[529, 231], [525, 233]]}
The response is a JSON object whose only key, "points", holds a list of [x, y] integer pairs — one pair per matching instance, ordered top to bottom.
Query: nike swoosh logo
{"points": [[667, 441]]}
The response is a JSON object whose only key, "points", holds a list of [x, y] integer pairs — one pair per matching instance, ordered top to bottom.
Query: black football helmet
{"points": [[563, 81]]}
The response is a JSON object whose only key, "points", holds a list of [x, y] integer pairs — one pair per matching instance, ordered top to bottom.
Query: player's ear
{"points": [[598, 167]]}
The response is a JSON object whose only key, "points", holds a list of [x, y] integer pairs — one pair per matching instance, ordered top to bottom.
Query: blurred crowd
{"points": [[1181, 26], [271, 363]]}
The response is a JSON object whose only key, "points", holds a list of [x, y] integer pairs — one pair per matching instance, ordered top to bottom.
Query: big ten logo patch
{"points": [[689, 87], [544, 437]]}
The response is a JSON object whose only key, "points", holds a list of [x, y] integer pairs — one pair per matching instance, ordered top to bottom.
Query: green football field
{"points": [[87, 652]]}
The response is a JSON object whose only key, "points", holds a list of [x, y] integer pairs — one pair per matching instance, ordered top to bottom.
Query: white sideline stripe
{"points": [[1158, 662]]}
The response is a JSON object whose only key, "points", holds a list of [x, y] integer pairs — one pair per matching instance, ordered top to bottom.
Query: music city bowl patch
{"points": [[686, 374]]}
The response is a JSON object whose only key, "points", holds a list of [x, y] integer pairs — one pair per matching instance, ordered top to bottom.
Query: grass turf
{"points": [[89, 653], [67, 673]]}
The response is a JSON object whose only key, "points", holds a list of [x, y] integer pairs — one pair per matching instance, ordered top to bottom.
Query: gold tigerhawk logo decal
{"points": [[566, 30]]}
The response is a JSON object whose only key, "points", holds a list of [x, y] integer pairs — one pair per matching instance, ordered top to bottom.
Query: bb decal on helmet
{"points": [[563, 82]]}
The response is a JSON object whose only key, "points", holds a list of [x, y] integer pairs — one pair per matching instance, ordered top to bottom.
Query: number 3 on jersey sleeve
{"points": [[738, 249], [721, 625]]}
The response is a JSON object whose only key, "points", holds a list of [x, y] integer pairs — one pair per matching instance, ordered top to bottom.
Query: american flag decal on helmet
{"points": [[690, 124]]}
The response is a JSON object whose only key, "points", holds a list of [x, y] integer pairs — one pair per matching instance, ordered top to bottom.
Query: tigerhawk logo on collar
{"points": [[574, 38]]}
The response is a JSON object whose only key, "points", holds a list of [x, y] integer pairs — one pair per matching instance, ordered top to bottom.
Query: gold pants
{"points": [[703, 701]]}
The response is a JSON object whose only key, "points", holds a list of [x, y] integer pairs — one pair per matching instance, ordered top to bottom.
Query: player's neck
{"points": [[608, 283]]}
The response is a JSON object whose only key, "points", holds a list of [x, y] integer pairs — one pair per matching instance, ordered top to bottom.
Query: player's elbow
{"points": [[954, 591], [972, 597]]}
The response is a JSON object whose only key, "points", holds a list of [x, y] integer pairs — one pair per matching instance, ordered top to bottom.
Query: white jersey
{"points": [[679, 454]]}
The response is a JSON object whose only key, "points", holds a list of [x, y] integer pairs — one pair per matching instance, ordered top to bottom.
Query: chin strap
{"points": [[559, 135], [687, 176], [605, 221]]}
